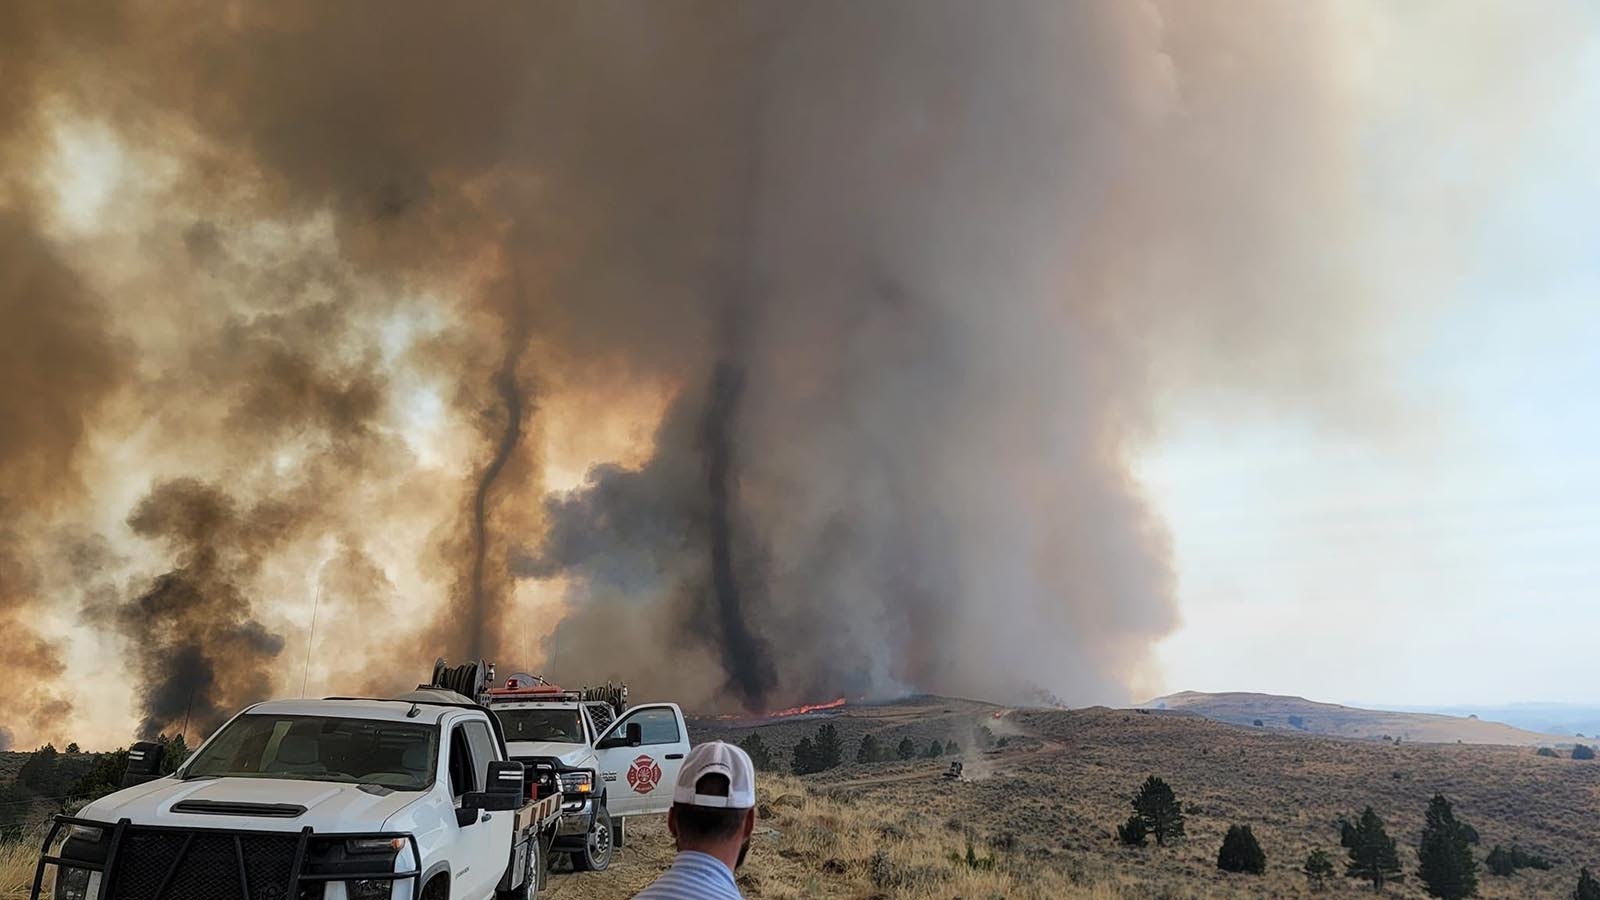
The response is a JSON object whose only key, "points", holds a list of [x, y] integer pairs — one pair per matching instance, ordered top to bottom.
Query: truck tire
{"points": [[595, 855], [532, 878]]}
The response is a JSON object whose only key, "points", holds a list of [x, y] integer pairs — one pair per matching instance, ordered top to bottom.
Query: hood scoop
{"points": [[234, 808]]}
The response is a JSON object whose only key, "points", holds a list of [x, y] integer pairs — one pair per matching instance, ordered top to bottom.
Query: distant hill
{"points": [[1299, 714], [1549, 718]]}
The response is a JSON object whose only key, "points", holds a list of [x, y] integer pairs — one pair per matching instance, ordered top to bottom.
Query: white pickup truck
{"points": [[609, 762], [414, 798]]}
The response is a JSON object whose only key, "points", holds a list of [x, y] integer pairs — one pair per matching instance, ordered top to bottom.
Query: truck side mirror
{"points": [[635, 734], [144, 763], [506, 777]]}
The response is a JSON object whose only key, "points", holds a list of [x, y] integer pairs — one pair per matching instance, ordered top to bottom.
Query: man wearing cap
{"points": [[713, 814]]}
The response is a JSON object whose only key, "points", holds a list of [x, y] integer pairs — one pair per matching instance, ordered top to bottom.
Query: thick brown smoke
{"points": [[283, 281]]}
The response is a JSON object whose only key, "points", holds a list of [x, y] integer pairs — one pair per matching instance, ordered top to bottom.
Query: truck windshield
{"points": [[559, 725], [397, 755]]}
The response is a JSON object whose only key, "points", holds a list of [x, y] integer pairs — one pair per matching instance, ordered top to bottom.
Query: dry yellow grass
{"points": [[17, 860]]}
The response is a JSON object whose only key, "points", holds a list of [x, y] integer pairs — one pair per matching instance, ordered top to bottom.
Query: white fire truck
{"points": [[606, 760]]}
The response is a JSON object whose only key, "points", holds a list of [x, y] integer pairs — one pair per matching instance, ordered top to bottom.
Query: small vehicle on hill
{"points": [[607, 761], [954, 772], [415, 798]]}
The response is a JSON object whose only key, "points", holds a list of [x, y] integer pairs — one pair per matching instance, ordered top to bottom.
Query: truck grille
{"points": [[174, 864]]}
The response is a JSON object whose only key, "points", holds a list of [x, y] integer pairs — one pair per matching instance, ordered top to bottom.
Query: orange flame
{"points": [[804, 708]]}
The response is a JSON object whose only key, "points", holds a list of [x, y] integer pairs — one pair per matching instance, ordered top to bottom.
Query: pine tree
{"points": [[951, 748], [72, 749], [906, 750], [869, 751], [934, 751], [1582, 751], [830, 752], [760, 755], [804, 761], [1161, 811], [1133, 832], [1240, 852], [1372, 853], [1447, 867], [1318, 869], [1588, 888]]}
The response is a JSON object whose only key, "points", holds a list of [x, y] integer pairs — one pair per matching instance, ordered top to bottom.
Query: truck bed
{"points": [[538, 814]]}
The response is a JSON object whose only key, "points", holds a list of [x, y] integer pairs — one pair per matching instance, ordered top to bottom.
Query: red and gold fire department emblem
{"points": [[643, 774]]}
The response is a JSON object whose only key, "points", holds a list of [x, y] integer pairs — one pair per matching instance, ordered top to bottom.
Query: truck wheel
{"points": [[596, 853], [532, 873]]}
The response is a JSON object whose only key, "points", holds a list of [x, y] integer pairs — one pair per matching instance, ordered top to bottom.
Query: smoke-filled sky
{"points": [[761, 353]]}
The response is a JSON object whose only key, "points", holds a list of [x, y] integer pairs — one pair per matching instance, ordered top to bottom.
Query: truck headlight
{"points": [[577, 782], [87, 833], [374, 845], [72, 883]]}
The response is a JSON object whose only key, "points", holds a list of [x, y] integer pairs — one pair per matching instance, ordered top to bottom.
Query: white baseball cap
{"points": [[717, 758]]}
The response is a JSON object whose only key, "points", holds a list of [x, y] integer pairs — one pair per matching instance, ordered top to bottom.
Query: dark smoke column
{"points": [[483, 616], [745, 656]]}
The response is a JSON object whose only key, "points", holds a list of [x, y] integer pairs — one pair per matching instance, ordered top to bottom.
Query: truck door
{"points": [[639, 780], [482, 847]]}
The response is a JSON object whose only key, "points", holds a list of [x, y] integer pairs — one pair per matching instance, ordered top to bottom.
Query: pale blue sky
{"points": [[1453, 554]]}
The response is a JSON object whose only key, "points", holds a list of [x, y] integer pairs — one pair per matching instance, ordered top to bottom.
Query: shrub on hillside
{"points": [[951, 748], [907, 749], [935, 750], [869, 751], [1546, 751], [1583, 751], [760, 754], [1160, 809], [1133, 833], [1240, 852], [1372, 854], [1504, 861], [1447, 868], [1318, 869], [1588, 888]]}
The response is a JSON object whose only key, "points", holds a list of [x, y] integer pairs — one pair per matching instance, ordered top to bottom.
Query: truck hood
{"points": [[576, 755], [329, 806]]}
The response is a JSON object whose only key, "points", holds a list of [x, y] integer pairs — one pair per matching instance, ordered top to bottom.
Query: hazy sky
{"points": [[1324, 277], [1451, 552]]}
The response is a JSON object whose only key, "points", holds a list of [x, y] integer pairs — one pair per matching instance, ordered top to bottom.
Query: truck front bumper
{"points": [[577, 817], [157, 862]]}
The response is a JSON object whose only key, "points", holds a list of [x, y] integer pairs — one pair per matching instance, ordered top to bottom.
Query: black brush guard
{"points": [[147, 862]]}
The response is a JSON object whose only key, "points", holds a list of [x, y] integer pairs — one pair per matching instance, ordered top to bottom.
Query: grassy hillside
{"points": [[1298, 713]]}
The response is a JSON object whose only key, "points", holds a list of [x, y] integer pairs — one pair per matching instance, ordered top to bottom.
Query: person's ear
{"points": [[672, 821], [749, 824]]}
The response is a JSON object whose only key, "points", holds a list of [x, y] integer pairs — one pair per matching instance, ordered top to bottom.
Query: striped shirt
{"points": [[693, 876]]}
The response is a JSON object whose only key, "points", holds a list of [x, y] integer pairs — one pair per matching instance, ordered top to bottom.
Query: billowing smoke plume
{"points": [[883, 297]]}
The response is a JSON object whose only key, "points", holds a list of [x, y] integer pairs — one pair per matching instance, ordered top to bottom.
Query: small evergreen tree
{"points": [[951, 748], [72, 749], [175, 750], [906, 750], [869, 751], [934, 751], [1546, 751], [1582, 751], [830, 752], [760, 754], [804, 760], [1161, 811], [1132, 833], [1240, 852], [1372, 853], [1447, 867], [1318, 869], [1588, 888]]}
